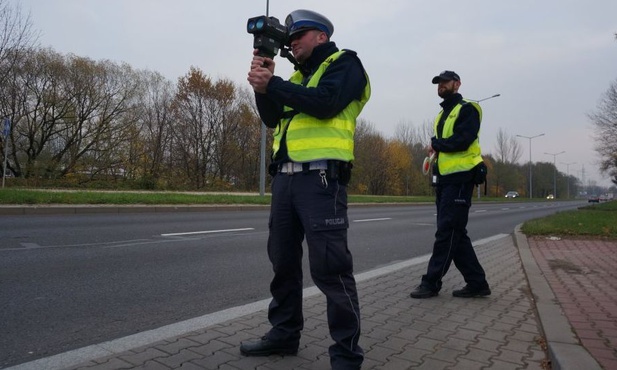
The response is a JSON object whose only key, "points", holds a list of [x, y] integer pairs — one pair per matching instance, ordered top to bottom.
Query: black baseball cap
{"points": [[446, 76]]}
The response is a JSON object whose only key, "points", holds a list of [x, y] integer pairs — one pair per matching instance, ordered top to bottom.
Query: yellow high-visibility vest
{"points": [[309, 138], [458, 161]]}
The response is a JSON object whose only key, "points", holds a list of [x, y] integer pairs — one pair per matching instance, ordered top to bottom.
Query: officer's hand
{"points": [[260, 61], [262, 70], [259, 78], [430, 150]]}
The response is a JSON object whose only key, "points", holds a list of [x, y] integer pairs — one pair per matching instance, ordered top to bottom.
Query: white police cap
{"points": [[301, 19]]}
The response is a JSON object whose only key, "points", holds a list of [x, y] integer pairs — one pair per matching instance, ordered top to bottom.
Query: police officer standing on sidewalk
{"points": [[313, 116], [458, 168]]}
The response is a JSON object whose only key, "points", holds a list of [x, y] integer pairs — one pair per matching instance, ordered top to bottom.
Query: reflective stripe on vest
{"points": [[309, 138], [458, 161]]}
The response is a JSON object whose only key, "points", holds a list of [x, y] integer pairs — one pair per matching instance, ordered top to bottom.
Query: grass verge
{"points": [[13, 196], [598, 220]]}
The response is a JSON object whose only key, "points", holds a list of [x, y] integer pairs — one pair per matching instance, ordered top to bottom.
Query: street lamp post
{"points": [[487, 98], [478, 101], [554, 171], [530, 175], [568, 175]]}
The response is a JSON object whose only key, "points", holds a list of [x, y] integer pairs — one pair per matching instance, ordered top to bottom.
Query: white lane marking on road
{"points": [[480, 210], [373, 219], [208, 232], [30, 245], [25, 246]]}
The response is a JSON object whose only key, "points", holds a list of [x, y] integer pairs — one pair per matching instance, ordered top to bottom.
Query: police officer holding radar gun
{"points": [[313, 116], [457, 169]]}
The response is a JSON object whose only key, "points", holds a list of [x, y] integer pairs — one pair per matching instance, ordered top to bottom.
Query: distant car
{"points": [[512, 194], [550, 196], [593, 199]]}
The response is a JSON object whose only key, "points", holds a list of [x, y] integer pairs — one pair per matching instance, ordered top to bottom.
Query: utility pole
{"points": [[262, 146], [568, 175], [583, 177]]}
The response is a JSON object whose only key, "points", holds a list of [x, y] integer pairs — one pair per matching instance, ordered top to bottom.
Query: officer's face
{"points": [[303, 43], [445, 89]]}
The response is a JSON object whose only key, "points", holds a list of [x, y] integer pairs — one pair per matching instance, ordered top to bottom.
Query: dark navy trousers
{"points": [[309, 204], [451, 241]]}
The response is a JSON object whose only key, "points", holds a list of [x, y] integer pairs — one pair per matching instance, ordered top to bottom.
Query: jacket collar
{"points": [[320, 53], [450, 102]]}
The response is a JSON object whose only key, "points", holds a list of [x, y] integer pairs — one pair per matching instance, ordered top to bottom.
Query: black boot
{"points": [[422, 291], [469, 292], [267, 347]]}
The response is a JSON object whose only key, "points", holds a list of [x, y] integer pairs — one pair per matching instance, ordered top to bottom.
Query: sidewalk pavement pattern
{"points": [[553, 305]]}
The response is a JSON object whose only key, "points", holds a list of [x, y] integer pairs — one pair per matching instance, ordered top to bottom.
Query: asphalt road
{"points": [[68, 281]]}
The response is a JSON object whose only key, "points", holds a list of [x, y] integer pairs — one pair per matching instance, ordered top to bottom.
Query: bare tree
{"points": [[16, 35], [101, 94], [37, 104], [225, 111], [70, 114], [207, 115], [154, 119], [604, 119], [405, 133], [416, 139], [244, 142], [508, 149], [370, 152], [503, 175]]}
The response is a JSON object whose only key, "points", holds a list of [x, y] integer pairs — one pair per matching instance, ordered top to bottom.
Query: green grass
{"points": [[12, 196], [21, 196], [47, 197], [598, 220]]}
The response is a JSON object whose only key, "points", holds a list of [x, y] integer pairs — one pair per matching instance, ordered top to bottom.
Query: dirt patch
{"points": [[564, 265], [569, 267]]}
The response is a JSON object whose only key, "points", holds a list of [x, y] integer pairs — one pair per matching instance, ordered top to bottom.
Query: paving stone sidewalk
{"points": [[582, 273], [511, 329]]}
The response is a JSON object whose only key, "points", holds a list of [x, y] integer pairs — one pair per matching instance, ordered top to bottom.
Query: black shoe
{"points": [[422, 292], [468, 292], [266, 347]]}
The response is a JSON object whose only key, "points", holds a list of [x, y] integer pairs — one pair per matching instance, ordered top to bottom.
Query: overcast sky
{"points": [[551, 60]]}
